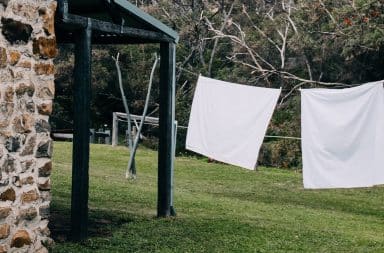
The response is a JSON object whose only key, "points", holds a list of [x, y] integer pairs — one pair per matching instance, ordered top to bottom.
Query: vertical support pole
{"points": [[166, 127], [115, 130], [92, 137], [99, 137], [108, 138], [174, 143], [80, 162]]}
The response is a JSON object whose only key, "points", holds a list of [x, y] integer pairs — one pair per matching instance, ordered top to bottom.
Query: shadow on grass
{"points": [[101, 223], [118, 231], [203, 235]]}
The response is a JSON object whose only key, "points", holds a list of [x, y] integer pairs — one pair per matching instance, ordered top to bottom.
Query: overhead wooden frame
{"points": [[87, 22], [115, 26]]}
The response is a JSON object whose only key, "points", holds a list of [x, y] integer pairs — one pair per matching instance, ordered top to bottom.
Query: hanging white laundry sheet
{"points": [[228, 121], [343, 136]]}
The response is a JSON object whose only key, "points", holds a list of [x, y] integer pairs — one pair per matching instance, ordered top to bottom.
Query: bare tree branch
{"points": [[328, 12], [216, 42], [247, 55]]}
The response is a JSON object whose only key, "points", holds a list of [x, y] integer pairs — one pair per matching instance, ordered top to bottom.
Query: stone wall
{"points": [[27, 47]]}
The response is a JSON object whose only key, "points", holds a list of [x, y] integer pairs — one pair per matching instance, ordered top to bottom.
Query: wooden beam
{"points": [[115, 10], [144, 18], [72, 22], [68, 37], [121, 40], [148, 119], [166, 128], [80, 163]]}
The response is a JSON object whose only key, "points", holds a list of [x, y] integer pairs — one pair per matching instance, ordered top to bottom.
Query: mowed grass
{"points": [[220, 208]]}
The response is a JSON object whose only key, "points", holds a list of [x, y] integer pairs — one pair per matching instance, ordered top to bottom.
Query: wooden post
{"points": [[166, 127], [115, 130], [134, 132], [92, 137], [99, 137], [108, 138], [80, 163]]}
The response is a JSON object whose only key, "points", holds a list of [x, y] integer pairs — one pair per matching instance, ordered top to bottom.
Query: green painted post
{"points": [[166, 125], [80, 162]]}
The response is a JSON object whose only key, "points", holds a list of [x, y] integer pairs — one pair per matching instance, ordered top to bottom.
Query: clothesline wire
{"points": [[267, 136], [282, 137]]}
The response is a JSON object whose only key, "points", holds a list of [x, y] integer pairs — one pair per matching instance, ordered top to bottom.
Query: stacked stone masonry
{"points": [[27, 49]]}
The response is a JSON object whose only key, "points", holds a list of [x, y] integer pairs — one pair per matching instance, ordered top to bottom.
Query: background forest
{"points": [[290, 44]]}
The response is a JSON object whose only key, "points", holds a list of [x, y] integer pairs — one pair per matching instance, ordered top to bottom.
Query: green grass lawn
{"points": [[220, 208]]}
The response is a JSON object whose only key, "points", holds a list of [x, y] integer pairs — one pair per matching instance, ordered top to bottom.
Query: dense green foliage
{"points": [[274, 43], [220, 209]]}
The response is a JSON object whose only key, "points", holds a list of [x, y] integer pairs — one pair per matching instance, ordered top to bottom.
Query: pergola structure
{"points": [[87, 22]]}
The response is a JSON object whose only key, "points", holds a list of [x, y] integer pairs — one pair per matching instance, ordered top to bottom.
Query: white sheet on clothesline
{"points": [[228, 121], [343, 136]]}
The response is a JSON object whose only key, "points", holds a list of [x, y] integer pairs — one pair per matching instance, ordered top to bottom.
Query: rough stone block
{"points": [[4, 3], [48, 16], [15, 31], [45, 48], [3, 57], [14, 57], [25, 64], [44, 69], [18, 74], [5, 75], [23, 88], [46, 90], [9, 95], [25, 105], [30, 106], [45, 108], [6, 111], [23, 123], [42, 126], [13, 144], [29, 146], [44, 149], [9, 164], [26, 165], [45, 170], [27, 180], [16, 181], [4, 182], [44, 184], [8, 195], [29, 196], [45, 196], [44, 211], [5, 212], [27, 214], [4, 231], [21, 238], [3, 248]]}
